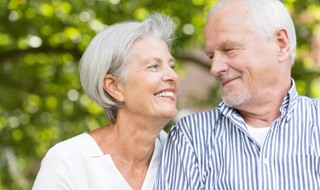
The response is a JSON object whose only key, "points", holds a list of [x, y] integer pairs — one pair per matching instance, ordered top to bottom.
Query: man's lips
{"points": [[223, 82]]}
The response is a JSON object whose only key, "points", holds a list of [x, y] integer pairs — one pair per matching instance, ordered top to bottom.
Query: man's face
{"points": [[242, 62]]}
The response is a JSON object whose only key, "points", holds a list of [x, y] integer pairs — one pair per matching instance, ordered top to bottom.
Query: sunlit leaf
{"points": [[46, 10]]}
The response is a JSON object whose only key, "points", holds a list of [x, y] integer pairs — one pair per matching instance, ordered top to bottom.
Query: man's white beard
{"points": [[233, 99]]}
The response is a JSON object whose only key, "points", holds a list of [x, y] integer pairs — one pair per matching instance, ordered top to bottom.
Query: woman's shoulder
{"points": [[81, 144]]}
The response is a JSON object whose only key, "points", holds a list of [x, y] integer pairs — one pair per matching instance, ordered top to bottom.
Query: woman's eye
{"points": [[155, 66], [173, 67]]}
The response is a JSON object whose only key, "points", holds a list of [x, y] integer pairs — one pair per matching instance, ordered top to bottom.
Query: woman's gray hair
{"points": [[265, 17], [109, 52]]}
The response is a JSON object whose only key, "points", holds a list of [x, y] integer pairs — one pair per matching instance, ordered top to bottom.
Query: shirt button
{"points": [[265, 162]]}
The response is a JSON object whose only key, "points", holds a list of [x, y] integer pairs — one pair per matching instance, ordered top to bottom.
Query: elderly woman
{"points": [[129, 71]]}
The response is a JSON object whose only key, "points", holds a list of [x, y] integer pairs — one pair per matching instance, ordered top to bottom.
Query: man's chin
{"points": [[235, 101]]}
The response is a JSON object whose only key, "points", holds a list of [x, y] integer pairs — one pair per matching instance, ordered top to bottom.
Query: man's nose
{"points": [[219, 64]]}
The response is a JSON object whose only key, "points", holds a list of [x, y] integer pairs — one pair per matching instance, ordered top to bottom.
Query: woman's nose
{"points": [[170, 74]]}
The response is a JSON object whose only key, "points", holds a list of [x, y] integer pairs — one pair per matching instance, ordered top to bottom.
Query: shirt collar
{"points": [[289, 101]]}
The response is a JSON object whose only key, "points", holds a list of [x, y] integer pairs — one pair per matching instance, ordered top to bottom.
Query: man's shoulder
{"points": [[308, 101], [201, 116], [198, 122]]}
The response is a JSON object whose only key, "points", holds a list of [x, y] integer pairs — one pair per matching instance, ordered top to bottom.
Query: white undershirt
{"points": [[258, 134]]}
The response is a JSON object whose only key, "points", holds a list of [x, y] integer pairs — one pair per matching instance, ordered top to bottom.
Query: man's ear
{"points": [[283, 44], [113, 87]]}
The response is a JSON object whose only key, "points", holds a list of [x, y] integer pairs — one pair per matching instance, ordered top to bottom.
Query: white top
{"points": [[258, 134], [78, 163]]}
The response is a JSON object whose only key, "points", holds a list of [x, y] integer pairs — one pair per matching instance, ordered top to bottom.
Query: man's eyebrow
{"points": [[228, 44], [223, 45]]}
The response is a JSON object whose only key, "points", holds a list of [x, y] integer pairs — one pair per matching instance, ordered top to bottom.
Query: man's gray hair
{"points": [[265, 17]]}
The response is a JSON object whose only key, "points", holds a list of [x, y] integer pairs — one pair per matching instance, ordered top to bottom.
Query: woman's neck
{"points": [[130, 146]]}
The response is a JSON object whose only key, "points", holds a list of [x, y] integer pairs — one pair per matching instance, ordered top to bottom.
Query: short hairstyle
{"points": [[265, 17], [109, 53]]}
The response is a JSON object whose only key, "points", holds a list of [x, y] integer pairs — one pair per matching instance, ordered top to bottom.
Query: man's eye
{"points": [[230, 50], [173, 67]]}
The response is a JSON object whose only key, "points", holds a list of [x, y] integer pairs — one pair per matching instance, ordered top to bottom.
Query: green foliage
{"points": [[41, 42]]}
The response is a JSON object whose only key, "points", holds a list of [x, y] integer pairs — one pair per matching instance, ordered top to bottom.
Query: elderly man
{"points": [[263, 135]]}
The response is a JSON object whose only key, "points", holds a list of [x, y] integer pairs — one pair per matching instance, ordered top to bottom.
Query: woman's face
{"points": [[152, 84]]}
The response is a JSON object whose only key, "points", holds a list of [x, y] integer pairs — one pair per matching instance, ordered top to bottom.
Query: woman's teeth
{"points": [[165, 94]]}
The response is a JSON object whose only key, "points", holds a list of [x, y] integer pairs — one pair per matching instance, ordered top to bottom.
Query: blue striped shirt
{"points": [[213, 150]]}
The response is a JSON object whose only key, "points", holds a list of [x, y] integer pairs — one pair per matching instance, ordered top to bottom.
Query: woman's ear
{"points": [[283, 44], [113, 87]]}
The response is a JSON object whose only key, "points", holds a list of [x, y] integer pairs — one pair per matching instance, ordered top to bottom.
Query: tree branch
{"points": [[17, 53], [194, 59]]}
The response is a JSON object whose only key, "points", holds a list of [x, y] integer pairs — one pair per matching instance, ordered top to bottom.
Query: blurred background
{"points": [[41, 42]]}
